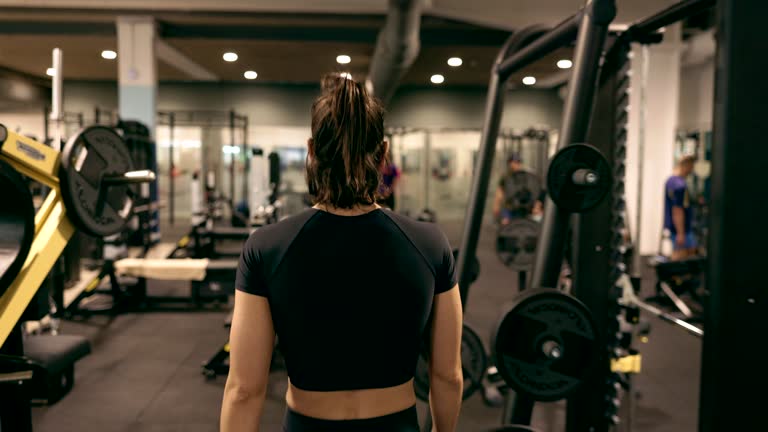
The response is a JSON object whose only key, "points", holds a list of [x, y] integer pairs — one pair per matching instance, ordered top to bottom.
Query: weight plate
{"points": [[89, 155], [521, 190], [571, 196], [17, 224], [516, 243], [474, 266], [545, 345], [474, 362]]}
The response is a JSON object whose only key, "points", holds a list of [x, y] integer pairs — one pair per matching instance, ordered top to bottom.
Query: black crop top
{"points": [[350, 296]]}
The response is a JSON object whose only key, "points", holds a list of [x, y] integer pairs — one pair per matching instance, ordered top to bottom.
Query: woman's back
{"points": [[350, 296]]}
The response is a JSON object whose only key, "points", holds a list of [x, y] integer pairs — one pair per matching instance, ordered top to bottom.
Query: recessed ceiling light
{"points": [[108, 54], [230, 57], [343, 59], [455, 61], [564, 64], [50, 72], [250, 74], [346, 75], [437, 79], [529, 80]]}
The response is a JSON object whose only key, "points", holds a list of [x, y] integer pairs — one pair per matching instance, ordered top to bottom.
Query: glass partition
{"points": [[290, 143], [187, 158], [451, 161], [437, 167]]}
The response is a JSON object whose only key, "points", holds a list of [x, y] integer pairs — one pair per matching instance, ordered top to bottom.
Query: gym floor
{"points": [[144, 372]]}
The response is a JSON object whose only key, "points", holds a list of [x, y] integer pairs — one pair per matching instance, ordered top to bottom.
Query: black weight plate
{"points": [[90, 154], [521, 190], [568, 195], [17, 224], [516, 243], [474, 266], [536, 317], [474, 362]]}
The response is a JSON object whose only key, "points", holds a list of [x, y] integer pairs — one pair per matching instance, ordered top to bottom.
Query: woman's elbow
{"points": [[449, 376], [238, 393]]}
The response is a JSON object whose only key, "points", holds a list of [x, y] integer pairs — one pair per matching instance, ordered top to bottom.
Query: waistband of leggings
{"points": [[405, 416]]}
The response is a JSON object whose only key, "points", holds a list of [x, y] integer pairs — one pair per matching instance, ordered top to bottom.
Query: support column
{"points": [[137, 69], [137, 90], [661, 112], [213, 158], [735, 313]]}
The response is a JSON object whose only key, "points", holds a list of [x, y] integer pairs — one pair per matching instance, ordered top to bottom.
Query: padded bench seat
{"points": [[690, 266], [185, 269], [210, 278], [54, 360]]}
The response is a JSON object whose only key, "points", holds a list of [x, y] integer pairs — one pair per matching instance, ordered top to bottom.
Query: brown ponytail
{"points": [[348, 144]]}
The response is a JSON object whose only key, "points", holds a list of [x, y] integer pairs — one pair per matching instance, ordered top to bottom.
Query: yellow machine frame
{"points": [[53, 229]]}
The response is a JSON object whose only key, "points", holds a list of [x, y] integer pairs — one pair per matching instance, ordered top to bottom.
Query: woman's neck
{"points": [[355, 210]]}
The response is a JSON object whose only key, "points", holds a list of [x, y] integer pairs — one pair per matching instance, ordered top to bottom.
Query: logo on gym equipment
{"points": [[29, 151]]}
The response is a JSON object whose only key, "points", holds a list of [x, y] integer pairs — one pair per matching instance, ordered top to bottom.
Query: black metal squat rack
{"points": [[596, 113]]}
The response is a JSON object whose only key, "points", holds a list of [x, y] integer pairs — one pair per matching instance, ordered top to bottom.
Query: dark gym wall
{"points": [[289, 105]]}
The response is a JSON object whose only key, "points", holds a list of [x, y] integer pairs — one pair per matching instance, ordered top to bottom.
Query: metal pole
{"points": [[671, 15], [562, 34], [644, 66], [57, 102], [494, 107], [576, 116], [46, 125], [232, 147], [427, 148], [541, 154], [246, 161], [171, 168], [481, 179], [518, 409]]}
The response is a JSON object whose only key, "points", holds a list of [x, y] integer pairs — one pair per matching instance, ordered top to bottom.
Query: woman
{"points": [[390, 177], [350, 334]]}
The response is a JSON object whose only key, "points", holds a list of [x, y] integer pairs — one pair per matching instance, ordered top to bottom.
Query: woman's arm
{"points": [[498, 201], [251, 341], [445, 376]]}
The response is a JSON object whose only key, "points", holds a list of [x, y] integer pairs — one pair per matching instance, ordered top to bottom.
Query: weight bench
{"points": [[210, 237], [202, 240], [674, 278], [210, 281], [53, 364]]}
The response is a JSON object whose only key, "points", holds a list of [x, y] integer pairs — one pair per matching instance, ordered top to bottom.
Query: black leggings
{"points": [[403, 421]]}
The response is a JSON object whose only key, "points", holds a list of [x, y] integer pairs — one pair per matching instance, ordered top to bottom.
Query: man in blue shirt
{"points": [[678, 210]]}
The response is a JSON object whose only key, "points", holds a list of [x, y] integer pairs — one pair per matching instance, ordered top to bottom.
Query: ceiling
{"points": [[505, 14], [285, 41], [275, 61]]}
